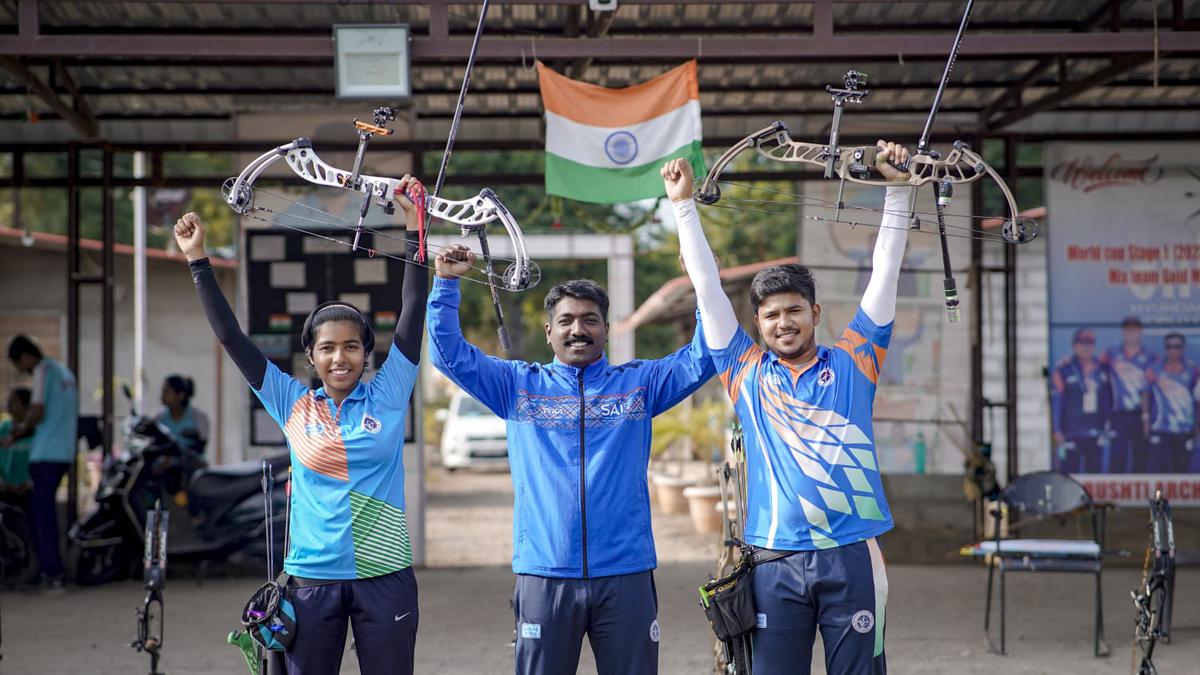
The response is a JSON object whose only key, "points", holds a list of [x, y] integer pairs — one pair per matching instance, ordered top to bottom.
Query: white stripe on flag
{"points": [[618, 147]]}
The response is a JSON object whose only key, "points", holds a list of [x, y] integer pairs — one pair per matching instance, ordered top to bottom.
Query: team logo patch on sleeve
{"points": [[370, 424], [863, 621], [531, 631], [655, 632]]}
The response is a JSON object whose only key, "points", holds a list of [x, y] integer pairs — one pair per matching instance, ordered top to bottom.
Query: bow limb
{"points": [[305, 163], [709, 192], [472, 216]]}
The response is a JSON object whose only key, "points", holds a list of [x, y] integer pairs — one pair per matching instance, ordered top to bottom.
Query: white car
{"points": [[473, 436]]}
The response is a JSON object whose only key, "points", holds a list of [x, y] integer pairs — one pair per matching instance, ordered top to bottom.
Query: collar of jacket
{"points": [[590, 371]]}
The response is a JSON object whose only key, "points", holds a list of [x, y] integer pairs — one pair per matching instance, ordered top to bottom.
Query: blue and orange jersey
{"points": [[1173, 394], [813, 477], [347, 498]]}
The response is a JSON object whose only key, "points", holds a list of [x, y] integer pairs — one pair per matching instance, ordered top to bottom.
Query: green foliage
{"points": [[44, 209], [701, 426]]}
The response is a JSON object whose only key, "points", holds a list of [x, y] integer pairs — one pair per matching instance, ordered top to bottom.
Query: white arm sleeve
{"points": [[879, 300], [716, 312]]}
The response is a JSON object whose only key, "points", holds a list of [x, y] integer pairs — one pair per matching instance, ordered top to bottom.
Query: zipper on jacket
{"points": [[582, 475]]}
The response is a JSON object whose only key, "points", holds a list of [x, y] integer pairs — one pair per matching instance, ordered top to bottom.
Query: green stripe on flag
{"points": [[573, 180], [380, 531]]}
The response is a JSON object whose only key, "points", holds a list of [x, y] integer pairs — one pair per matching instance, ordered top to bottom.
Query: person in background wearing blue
{"points": [[1127, 364], [1081, 399], [1170, 408], [50, 424], [188, 425], [579, 444], [14, 460]]}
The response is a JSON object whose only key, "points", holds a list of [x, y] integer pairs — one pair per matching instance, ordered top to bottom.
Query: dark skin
{"points": [[788, 325], [576, 331], [338, 357], [173, 400], [24, 425]]}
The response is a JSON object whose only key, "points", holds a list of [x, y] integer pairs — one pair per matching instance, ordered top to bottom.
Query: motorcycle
{"points": [[223, 516], [18, 562]]}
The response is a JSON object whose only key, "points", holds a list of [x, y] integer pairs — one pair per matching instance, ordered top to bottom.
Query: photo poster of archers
{"points": [[1124, 312], [922, 389]]}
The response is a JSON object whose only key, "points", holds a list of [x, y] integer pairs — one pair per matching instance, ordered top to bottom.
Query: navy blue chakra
{"points": [[621, 147]]}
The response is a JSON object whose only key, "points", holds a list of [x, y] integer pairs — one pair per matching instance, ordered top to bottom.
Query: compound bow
{"points": [[960, 166], [471, 215]]}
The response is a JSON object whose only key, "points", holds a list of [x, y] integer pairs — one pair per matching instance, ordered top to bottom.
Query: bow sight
{"points": [[849, 93]]}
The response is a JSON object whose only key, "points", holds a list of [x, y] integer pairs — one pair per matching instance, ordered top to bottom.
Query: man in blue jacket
{"points": [[579, 442]]}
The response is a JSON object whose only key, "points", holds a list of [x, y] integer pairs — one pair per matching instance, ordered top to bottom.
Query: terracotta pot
{"points": [[669, 490], [703, 501]]}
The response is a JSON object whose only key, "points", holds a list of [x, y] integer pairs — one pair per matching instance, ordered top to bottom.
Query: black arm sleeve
{"points": [[410, 328], [238, 345]]}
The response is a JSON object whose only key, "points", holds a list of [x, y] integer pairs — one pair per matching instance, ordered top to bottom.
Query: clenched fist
{"points": [[679, 179], [409, 183], [189, 235], [454, 262]]}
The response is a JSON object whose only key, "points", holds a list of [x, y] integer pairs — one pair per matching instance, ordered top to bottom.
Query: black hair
{"points": [[783, 279], [580, 289], [336, 310], [1079, 333], [1178, 336], [21, 344], [183, 385], [24, 394]]}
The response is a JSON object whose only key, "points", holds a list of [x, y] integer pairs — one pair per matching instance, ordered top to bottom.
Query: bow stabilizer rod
{"points": [[943, 190]]}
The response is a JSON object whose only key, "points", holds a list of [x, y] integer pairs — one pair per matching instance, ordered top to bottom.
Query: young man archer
{"points": [[814, 491]]}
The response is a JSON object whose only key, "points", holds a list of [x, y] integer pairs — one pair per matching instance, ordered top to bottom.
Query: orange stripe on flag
{"points": [[603, 107]]}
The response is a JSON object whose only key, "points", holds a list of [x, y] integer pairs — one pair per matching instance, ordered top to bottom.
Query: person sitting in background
{"points": [[187, 425], [14, 460]]}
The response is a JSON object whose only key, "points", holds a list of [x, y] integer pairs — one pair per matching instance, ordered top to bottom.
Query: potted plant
{"points": [[686, 438]]}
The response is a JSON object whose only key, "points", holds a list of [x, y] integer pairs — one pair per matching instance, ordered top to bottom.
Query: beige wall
{"points": [[178, 338]]}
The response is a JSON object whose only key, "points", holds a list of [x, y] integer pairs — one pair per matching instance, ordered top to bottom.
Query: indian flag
{"points": [[607, 145]]}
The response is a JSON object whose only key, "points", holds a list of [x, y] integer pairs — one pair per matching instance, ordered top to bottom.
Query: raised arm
{"points": [[189, 234], [415, 289], [879, 300], [716, 312], [487, 378]]}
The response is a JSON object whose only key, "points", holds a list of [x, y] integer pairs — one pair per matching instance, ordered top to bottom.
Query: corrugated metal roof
{"points": [[120, 88]]}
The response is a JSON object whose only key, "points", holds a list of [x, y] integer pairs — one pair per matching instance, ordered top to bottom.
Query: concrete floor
{"points": [[935, 613]]}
